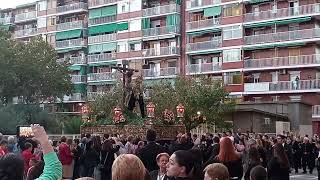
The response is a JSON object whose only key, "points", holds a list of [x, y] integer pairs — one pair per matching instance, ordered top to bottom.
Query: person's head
{"points": [[151, 135], [105, 136], [194, 136], [63, 139], [130, 139], [183, 139], [216, 139], [280, 139], [11, 140], [305, 140], [69, 141], [76, 141], [252, 143], [259, 143], [3, 144], [140, 144], [90, 145], [107, 145], [28, 146], [227, 152], [279, 153], [254, 154], [162, 160], [181, 164], [11, 167], [128, 167], [216, 171], [258, 173]]}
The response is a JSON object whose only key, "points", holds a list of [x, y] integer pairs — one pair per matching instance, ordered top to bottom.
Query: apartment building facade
{"points": [[261, 50]]}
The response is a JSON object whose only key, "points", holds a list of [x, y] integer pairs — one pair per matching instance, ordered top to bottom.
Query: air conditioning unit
{"points": [[283, 71]]}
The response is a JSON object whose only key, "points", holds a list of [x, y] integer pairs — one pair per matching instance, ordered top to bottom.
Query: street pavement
{"points": [[301, 176]]}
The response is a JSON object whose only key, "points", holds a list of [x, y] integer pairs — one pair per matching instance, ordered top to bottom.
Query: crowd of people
{"points": [[221, 156]]}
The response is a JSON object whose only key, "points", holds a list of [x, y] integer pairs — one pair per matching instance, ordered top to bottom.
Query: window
{"points": [[42, 6], [231, 10], [51, 21], [42, 22], [135, 25], [232, 32], [135, 46], [122, 47], [231, 55], [232, 78]]}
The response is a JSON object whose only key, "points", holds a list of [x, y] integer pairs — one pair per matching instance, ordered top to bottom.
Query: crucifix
{"points": [[129, 96]]}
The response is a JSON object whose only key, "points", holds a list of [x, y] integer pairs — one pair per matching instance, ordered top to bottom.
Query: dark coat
{"points": [[148, 155], [235, 168], [276, 172], [154, 175]]}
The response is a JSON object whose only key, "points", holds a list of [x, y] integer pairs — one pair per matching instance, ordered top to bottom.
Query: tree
{"points": [[31, 71], [203, 99], [72, 125]]}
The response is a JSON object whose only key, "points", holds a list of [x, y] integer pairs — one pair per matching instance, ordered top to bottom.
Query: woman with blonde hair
{"points": [[128, 167], [216, 171]]}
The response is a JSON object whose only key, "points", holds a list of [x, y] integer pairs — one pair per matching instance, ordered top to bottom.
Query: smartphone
{"points": [[24, 131]]}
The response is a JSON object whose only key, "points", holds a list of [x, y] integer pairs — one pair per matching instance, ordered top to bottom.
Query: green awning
{"points": [[257, 1], [109, 11], [212, 11], [94, 13], [172, 20], [278, 22], [146, 23], [260, 24], [122, 26], [5, 27], [102, 29], [196, 33], [68, 34], [134, 42], [267, 46], [102, 47], [64, 50], [206, 52], [103, 64], [74, 68], [83, 70], [101, 83], [80, 88]]}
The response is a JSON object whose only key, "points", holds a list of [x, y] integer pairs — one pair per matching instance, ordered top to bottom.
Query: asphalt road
{"points": [[301, 176]]}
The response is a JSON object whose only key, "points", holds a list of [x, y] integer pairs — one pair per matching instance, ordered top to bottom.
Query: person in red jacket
{"points": [[3, 147], [27, 155], [65, 158]]}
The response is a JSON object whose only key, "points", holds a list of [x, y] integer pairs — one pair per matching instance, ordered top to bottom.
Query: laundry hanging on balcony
{"points": [[212, 11], [172, 21], [146, 23]]}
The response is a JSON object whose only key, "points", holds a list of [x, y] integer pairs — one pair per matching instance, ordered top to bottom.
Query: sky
{"points": [[13, 3]]}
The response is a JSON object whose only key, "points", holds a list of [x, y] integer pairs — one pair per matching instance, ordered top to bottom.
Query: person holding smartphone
{"points": [[12, 166]]}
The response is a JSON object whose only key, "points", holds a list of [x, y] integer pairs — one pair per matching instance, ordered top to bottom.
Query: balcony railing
{"points": [[93, 3], [201, 3], [72, 7], [160, 10], [283, 13], [26, 16], [7, 20], [102, 20], [207, 23], [70, 25], [161, 31], [25, 32], [283, 36], [102, 38], [69, 43], [207, 45], [163, 51], [95, 58], [73, 60], [283, 61], [203, 68], [170, 71], [106, 76], [78, 78], [301, 85], [92, 96], [74, 97], [316, 111]]}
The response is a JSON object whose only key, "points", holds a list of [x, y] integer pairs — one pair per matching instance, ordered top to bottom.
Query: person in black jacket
{"points": [[149, 152], [296, 154], [307, 155], [107, 158], [91, 159], [162, 160], [254, 160], [278, 167]]}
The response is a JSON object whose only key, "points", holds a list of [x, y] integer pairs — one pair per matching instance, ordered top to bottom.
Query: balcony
{"points": [[95, 3], [191, 4], [70, 8], [161, 10], [305, 10], [26, 16], [7, 20], [102, 20], [203, 24], [70, 25], [161, 31], [25, 32], [282, 36], [102, 38], [70, 43], [204, 46], [162, 51], [96, 58], [73, 60], [283, 62], [203, 68], [151, 73], [106, 76], [76, 79], [282, 87], [92, 96], [75, 97], [316, 111]]}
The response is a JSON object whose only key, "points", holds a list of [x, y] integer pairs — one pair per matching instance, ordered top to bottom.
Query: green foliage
{"points": [[30, 71], [72, 125]]}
